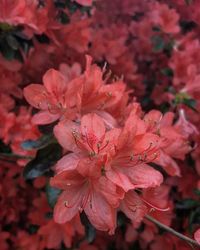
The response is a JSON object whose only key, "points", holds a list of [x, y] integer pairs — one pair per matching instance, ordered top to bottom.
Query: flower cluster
{"points": [[99, 131]]}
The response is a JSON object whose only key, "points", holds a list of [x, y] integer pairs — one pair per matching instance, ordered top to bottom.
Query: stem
{"points": [[172, 231]]}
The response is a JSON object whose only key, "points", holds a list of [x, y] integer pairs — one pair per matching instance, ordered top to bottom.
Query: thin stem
{"points": [[172, 231]]}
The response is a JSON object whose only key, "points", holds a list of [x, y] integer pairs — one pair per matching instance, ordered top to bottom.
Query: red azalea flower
{"points": [[60, 99]]}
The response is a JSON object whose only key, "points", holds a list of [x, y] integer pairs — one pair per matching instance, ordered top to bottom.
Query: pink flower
{"points": [[166, 18], [56, 98], [63, 98]]}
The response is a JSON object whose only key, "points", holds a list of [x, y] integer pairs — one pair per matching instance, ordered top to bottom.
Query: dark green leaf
{"points": [[64, 19], [6, 27], [42, 38], [12, 42], [158, 43], [7, 51], [167, 72], [184, 98], [191, 103], [47, 129], [42, 142], [4, 148], [44, 160], [197, 191], [52, 195], [187, 204], [194, 218], [33, 229], [90, 231]]}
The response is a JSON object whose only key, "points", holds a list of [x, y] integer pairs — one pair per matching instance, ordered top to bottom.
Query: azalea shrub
{"points": [[99, 124]]}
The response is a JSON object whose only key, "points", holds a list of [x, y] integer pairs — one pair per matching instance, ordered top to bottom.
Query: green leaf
{"points": [[64, 19], [6, 27], [12, 42], [158, 43], [7, 51], [167, 72], [184, 98], [191, 103], [42, 142], [4, 148], [44, 160], [197, 191], [52, 195], [187, 204], [194, 218], [33, 229], [90, 231]]}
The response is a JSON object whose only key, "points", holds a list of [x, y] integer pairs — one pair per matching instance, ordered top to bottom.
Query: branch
{"points": [[172, 231]]}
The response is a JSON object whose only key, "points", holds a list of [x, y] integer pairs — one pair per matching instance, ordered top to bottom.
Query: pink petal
{"points": [[85, 3], [54, 82], [34, 94], [44, 117], [152, 119], [109, 121], [93, 126], [133, 126], [64, 134], [110, 140], [148, 143], [68, 162], [168, 164], [89, 168], [144, 176], [66, 179], [120, 179], [110, 191], [68, 204], [133, 207], [100, 213], [53, 234], [197, 235]]}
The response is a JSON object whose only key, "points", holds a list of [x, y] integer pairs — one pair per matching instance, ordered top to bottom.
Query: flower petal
{"points": [[54, 82], [34, 94], [44, 117], [93, 126], [63, 132], [68, 162], [168, 164], [144, 176], [119, 178], [66, 179], [110, 191], [68, 204], [133, 207], [100, 213], [197, 235]]}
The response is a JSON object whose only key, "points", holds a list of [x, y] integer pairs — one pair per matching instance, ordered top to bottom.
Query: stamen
{"points": [[109, 94], [50, 109], [85, 137], [107, 142], [84, 201], [66, 203], [153, 206]]}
